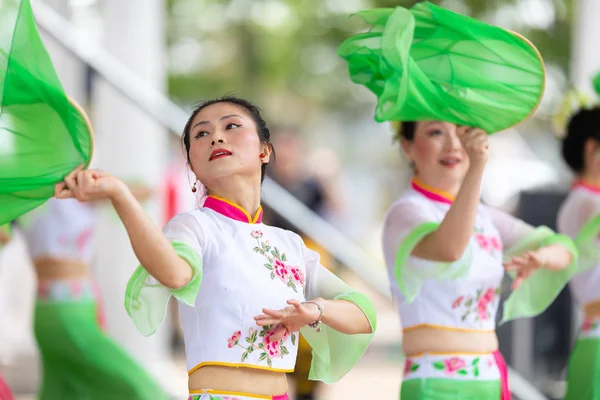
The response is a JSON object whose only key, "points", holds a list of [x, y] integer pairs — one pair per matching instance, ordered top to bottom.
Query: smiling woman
{"points": [[246, 290]]}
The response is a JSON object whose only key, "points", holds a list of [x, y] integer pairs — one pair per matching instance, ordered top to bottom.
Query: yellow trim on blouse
{"points": [[446, 328], [234, 365]]}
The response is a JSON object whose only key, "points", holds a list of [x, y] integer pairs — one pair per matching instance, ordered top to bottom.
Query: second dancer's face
{"points": [[438, 155]]}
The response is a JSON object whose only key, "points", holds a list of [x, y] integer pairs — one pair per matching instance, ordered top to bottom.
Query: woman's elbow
{"points": [[178, 278]]}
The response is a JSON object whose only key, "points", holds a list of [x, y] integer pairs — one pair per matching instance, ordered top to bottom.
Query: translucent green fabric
{"points": [[429, 63], [596, 83], [43, 136], [587, 244], [410, 280], [538, 291], [146, 300], [335, 353]]}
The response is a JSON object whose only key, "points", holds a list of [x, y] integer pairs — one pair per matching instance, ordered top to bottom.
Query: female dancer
{"points": [[440, 73], [579, 217], [444, 252], [233, 275], [79, 360]]}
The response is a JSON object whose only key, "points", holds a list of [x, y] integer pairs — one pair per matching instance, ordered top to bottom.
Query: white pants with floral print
{"points": [[452, 366]]}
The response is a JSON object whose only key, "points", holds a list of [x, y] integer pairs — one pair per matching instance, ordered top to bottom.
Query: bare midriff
{"points": [[50, 268], [592, 310], [424, 339], [239, 380]]}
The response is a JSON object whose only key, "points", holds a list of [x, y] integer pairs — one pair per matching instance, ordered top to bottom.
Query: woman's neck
{"points": [[590, 179], [243, 192]]}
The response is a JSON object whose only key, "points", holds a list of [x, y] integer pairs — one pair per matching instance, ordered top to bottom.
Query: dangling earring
{"points": [[194, 189]]}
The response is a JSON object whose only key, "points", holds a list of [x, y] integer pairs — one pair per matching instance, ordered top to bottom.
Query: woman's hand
{"points": [[476, 144], [89, 185], [5, 234], [525, 265], [289, 319]]}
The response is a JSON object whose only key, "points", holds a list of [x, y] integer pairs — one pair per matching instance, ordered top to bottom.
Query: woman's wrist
{"points": [[317, 305]]}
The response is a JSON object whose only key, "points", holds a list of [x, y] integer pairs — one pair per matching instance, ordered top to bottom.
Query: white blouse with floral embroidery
{"points": [[579, 209], [59, 228], [247, 266], [463, 294]]}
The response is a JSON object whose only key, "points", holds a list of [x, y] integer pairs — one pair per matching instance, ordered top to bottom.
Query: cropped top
{"points": [[579, 218], [60, 228], [242, 266], [463, 294]]}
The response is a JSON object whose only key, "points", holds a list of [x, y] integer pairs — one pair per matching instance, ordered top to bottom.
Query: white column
{"points": [[585, 58], [132, 146]]}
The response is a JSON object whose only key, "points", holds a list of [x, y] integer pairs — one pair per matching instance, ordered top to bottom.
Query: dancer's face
{"points": [[224, 143], [437, 153]]}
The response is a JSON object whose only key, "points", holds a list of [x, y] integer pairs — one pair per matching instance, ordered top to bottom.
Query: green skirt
{"points": [[80, 362], [583, 377], [450, 389]]}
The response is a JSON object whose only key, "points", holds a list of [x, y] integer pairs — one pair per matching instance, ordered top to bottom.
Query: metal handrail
{"points": [[173, 117]]}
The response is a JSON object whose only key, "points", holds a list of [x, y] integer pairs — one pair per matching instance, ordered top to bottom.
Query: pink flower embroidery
{"points": [[83, 239], [482, 241], [495, 243], [278, 264], [281, 270], [298, 275], [76, 289], [488, 296], [457, 302], [482, 311], [587, 326], [233, 340], [272, 346], [491, 362], [453, 364], [407, 367], [231, 398]]}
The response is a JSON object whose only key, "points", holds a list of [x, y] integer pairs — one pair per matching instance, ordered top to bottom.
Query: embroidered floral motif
{"points": [[490, 244], [293, 277], [479, 305], [589, 326], [269, 348], [410, 366], [458, 366]]}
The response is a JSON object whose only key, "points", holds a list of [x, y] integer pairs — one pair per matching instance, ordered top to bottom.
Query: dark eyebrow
{"points": [[221, 119]]}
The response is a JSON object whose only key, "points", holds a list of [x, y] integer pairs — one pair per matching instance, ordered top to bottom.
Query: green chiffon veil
{"points": [[428, 63], [43, 133]]}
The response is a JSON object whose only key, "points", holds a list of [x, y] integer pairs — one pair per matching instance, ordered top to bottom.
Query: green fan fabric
{"points": [[428, 63], [596, 83], [43, 135]]}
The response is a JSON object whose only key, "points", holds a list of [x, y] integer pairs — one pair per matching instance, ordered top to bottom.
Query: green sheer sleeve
{"points": [[428, 63], [43, 134], [587, 242], [410, 271], [538, 291], [146, 300], [334, 353]]}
